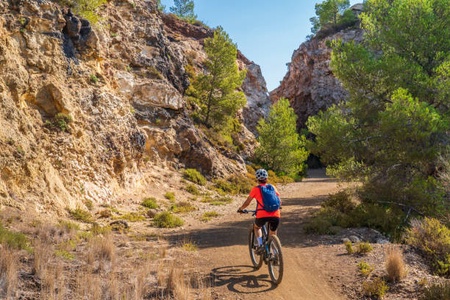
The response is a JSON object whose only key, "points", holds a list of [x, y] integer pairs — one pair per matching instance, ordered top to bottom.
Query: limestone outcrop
{"points": [[86, 110]]}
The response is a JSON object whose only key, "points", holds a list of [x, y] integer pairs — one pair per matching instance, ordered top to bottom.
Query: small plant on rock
{"points": [[194, 176], [150, 203], [365, 268]]}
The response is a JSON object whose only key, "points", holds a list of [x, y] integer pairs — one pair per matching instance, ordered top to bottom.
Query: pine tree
{"points": [[184, 9], [215, 91], [392, 131], [281, 148]]}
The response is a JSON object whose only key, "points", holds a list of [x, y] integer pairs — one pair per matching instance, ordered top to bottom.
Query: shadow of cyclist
{"points": [[239, 279]]}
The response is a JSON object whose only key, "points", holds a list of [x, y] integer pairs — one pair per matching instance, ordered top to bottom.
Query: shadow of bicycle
{"points": [[239, 279]]}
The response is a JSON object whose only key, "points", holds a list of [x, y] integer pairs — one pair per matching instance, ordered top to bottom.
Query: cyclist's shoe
{"points": [[259, 250]]}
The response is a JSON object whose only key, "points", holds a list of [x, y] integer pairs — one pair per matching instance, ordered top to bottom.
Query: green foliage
{"points": [[160, 6], [86, 8], [184, 9], [331, 14], [215, 91], [59, 122], [392, 131], [281, 148], [194, 176], [234, 185], [192, 188], [170, 196], [217, 201], [340, 201], [150, 203], [182, 207], [81, 215], [207, 216], [133, 217], [167, 220], [433, 239], [15, 240], [349, 247], [363, 248], [365, 268], [376, 288], [440, 291]]}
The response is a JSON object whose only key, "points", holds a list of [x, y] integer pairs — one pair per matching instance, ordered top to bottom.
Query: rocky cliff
{"points": [[309, 83], [86, 111]]}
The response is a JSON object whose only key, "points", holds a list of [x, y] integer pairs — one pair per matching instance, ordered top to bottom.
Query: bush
{"points": [[60, 122], [194, 176], [235, 184], [190, 188], [170, 196], [217, 201], [340, 201], [150, 203], [183, 207], [81, 215], [207, 216], [167, 220], [433, 239], [14, 240], [349, 247], [364, 248], [395, 265], [365, 268], [376, 288], [437, 292]]}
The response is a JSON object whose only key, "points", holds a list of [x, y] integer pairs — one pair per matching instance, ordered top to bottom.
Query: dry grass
{"points": [[101, 253], [395, 265], [8, 272]]}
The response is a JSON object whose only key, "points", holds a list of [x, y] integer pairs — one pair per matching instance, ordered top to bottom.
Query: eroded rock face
{"points": [[309, 83], [122, 86]]}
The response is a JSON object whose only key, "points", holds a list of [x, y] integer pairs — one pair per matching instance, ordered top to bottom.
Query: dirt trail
{"points": [[224, 252]]}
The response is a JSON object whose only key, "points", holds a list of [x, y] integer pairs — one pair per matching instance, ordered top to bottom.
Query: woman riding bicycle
{"points": [[262, 216]]}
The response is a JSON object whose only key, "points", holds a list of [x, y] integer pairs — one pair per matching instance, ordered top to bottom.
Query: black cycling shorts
{"points": [[273, 222]]}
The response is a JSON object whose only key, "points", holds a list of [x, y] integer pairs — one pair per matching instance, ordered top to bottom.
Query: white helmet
{"points": [[261, 174]]}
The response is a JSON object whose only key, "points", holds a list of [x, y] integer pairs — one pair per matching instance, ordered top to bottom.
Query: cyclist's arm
{"points": [[246, 203]]}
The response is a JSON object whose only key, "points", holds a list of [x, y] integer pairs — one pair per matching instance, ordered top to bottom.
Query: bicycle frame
{"points": [[272, 254]]}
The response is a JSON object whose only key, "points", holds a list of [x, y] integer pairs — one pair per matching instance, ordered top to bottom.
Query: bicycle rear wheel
{"points": [[257, 260], [276, 266]]}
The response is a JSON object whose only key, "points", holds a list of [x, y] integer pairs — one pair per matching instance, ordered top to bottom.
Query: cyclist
{"points": [[262, 216]]}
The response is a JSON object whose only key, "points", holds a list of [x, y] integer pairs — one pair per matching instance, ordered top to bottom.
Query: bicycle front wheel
{"points": [[256, 259], [276, 267]]}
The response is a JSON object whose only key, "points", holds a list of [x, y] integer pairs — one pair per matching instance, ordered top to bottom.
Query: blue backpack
{"points": [[271, 201]]}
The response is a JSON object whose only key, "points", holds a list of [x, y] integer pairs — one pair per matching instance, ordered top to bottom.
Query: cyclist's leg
{"points": [[259, 223], [273, 225]]}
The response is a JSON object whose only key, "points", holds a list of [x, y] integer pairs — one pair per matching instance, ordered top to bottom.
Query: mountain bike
{"points": [[272, 255]]}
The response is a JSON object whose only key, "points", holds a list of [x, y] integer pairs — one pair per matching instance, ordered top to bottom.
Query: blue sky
{"points": [[265, 31]]}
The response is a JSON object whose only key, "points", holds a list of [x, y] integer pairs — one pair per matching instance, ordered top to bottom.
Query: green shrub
{"points": [[85, 8], [60, 122], [194, 176], [235, 184], [191, 188], [170, 196], [340, 201], [150, 203], [182, 207], [81, 215], [207, 216], [133, 217], [167, 220], [326, 221], [433, 238], [15, 240], [349, 247], [364, 248], [365, 268], [376, 288], [439, 291]]}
